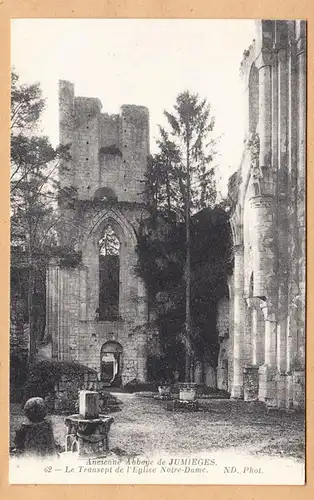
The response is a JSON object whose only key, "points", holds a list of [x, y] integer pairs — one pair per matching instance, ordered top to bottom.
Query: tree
{"points": [[188, 152], [34, 184], [161, 264], [184, 279]]}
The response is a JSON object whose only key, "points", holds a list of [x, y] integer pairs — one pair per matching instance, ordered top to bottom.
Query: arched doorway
{"points": [[111, 363]]}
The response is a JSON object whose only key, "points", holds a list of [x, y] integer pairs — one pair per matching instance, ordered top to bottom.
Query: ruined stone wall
{"points": [[108, 151], [106, 169], [269, 222], [223, 317], [231, 332], [223, 337]]}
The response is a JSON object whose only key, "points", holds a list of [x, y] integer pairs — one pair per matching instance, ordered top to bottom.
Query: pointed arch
{"points": [[117, 221]]}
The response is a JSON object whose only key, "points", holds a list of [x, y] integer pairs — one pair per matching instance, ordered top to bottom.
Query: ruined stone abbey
{"points": [[261, 324]]}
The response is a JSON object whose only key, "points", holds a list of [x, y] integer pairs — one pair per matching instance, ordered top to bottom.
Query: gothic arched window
{"points": [[109, 270]]}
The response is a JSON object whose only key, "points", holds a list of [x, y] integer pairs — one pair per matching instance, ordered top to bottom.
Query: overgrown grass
{"points": [[145, 427]]}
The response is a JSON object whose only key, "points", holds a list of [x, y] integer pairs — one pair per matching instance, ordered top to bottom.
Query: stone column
{"points": [[264, 63], [301, 176], [282, 208], [262, 211], [263, 214], [282, 219], [91, 264], [293, 277], [265, 288], [60, 292], [82, 293], [52, 308], [238, 326], [258, 329], [231, 330], [254, 335], [270, 339], [268, 371], [250, 376]]}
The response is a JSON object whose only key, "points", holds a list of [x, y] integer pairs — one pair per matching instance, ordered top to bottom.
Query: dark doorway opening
{"points": [[111, 364]]}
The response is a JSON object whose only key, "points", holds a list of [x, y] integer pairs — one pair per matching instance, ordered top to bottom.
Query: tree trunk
{"points": [[188, 269], [32, 340]]}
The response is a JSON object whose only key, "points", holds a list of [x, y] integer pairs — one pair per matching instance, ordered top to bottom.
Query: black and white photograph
{"points": [[158, 251]]}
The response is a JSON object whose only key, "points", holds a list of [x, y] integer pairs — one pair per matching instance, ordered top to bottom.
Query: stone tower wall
{"points": [[108, 151], [106, 172]]}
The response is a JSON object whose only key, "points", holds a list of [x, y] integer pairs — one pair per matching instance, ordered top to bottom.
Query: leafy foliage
{"points": [[27, 105], [185, 161], [34, 216], [161, 264], [43, 376], [136, 386]]}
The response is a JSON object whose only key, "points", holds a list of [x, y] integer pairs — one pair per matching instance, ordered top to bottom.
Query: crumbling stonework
{"points": [[105, 173], [268, 298], [223, 338]]}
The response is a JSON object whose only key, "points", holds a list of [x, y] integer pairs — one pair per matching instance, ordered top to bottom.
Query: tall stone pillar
{"points": [[264, 63], [301, 188], [282, 192], [282, 200], [293, 244], [265, 289], [52, 307], [238, 325], [258, 329], [231, 331], [254, 335], [270, 339], [268, 371]]}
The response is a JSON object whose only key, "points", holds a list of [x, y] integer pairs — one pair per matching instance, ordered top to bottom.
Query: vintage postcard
{"points": [[158, 251]]}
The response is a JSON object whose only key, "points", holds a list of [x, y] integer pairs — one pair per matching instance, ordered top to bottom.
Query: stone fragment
{"points": [[89, 404]]}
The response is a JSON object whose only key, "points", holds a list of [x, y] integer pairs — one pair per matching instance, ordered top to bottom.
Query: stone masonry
{"points": [[105, 174], [267, 290], [223, 326]]}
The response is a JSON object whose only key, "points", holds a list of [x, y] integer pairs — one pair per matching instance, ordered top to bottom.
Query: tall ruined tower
{"points": [[95, 310]]}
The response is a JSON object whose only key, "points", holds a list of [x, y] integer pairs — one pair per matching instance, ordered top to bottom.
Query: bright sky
{"points": [[146, 62]]}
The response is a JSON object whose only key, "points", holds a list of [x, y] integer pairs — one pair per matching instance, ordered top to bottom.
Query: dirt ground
{"points": [[144, 426]]}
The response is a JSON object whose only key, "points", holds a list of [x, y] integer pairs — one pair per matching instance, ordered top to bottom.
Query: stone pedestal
{"points": [[198, 373], [210, 376], [298, 381], [250, 382], [267, 390], [281, 390], [289, 391], [187, 392], [89, 404], [87, 432], [88, 437], [36, 439]]}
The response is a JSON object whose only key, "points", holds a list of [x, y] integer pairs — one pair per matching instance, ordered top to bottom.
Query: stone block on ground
{"points": [[89, 404]]}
